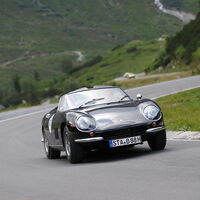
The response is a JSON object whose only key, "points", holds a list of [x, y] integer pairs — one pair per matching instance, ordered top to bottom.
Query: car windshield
{"points": [[96, 96]]}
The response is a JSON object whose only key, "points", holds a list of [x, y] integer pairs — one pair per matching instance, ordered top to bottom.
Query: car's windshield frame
{"points": [[66, 102]]}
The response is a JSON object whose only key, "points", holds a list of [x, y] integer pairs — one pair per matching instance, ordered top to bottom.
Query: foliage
{"points": [[36, 31], [34, 35], [188, 39], [181, 50], [132, 57], [67, 66], [36, 75], [16, 83], [33, 91], [30, 92]]}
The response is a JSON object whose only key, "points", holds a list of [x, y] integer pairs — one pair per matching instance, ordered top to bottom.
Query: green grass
{"points": [[53, 26], [93, 27], [182, 51], [132, 57], [47, 66], [181, 110]]}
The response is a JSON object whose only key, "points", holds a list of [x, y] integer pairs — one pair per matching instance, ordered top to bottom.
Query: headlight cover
{"points": [[152, 112], [85, 124]]}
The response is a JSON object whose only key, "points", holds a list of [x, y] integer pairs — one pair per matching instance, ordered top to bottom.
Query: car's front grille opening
{"points": [[123, 133]]}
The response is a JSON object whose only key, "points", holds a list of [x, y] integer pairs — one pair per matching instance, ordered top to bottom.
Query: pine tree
{"points": [[16, 82]]}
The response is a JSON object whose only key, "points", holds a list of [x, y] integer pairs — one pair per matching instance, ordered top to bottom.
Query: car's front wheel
{"points": [[158, 141], [73, 150], [49, 151]]}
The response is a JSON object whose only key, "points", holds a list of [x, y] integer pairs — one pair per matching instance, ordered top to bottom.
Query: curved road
{"points": [[138, 173]]}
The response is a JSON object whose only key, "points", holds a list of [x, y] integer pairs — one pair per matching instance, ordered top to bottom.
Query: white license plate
{"points": [[125, 141]]}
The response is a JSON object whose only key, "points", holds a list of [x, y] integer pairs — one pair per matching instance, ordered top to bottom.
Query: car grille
{"points": [[124, 133]]}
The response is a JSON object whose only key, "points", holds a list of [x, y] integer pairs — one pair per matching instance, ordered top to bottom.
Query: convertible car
{"points": [[101, 117]]}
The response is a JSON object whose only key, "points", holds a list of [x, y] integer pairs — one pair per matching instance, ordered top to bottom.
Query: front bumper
{"points": [[145, 135], [88, 140]]}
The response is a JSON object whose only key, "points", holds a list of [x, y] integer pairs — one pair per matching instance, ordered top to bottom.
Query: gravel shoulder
{"points": [[183, 135]]}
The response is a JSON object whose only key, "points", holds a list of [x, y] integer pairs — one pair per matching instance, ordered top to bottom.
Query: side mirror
{"points": [[139, 96]]}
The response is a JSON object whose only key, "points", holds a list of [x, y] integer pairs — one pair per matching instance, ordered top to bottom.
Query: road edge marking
{"points": [[24, 115], [183, 140]]}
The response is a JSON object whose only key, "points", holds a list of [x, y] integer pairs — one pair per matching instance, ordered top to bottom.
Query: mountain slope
{"points": [[29, 26], [34, 27], [34, 32], [182, 50], [133, 57]]}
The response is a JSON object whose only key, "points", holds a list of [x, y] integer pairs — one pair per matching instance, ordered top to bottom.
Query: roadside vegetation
{"points": [[92, 27], [35, 28], [182, 51], [133, 57], [31, 91], [181, 110]]}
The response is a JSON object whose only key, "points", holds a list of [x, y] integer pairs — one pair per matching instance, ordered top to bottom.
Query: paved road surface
{"points": [[144, 76], [165, 88], [25, 173]]}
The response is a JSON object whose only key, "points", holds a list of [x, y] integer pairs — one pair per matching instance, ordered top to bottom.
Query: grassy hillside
{"points": [[29, 26], [34, 27], [31, 29], [182, 50], [133, 57], [32, 85]]}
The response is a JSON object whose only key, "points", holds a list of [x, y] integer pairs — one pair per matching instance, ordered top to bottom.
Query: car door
{"points": [[57, 119], [47, 124]]}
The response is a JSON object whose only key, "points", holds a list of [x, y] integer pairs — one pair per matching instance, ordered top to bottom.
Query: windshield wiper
{"points": [[125, 96], [121, 100], [91, 101]]}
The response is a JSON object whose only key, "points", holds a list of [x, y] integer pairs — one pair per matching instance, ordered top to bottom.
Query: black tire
{"points": [[158, 141], [73, 150], [49, 151]]}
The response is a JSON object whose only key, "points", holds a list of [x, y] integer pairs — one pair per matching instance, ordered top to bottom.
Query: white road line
{"points": [[25, 115], [183, 140]]}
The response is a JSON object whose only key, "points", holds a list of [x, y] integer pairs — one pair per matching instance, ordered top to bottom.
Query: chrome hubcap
{"points": [[68, 146]]}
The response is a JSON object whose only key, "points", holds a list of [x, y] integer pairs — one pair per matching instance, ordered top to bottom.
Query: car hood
{"points": [[116, 116]]}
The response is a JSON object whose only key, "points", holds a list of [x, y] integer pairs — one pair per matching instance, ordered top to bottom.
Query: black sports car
{"points": [[101, 117]]}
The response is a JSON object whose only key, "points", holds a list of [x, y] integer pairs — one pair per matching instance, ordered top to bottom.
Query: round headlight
{"points": [[152, 112], [85, 123]]}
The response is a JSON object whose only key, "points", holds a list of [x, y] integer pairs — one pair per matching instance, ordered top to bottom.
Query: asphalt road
{"points": [[165, 88], [150, 91], [138, 173]]}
